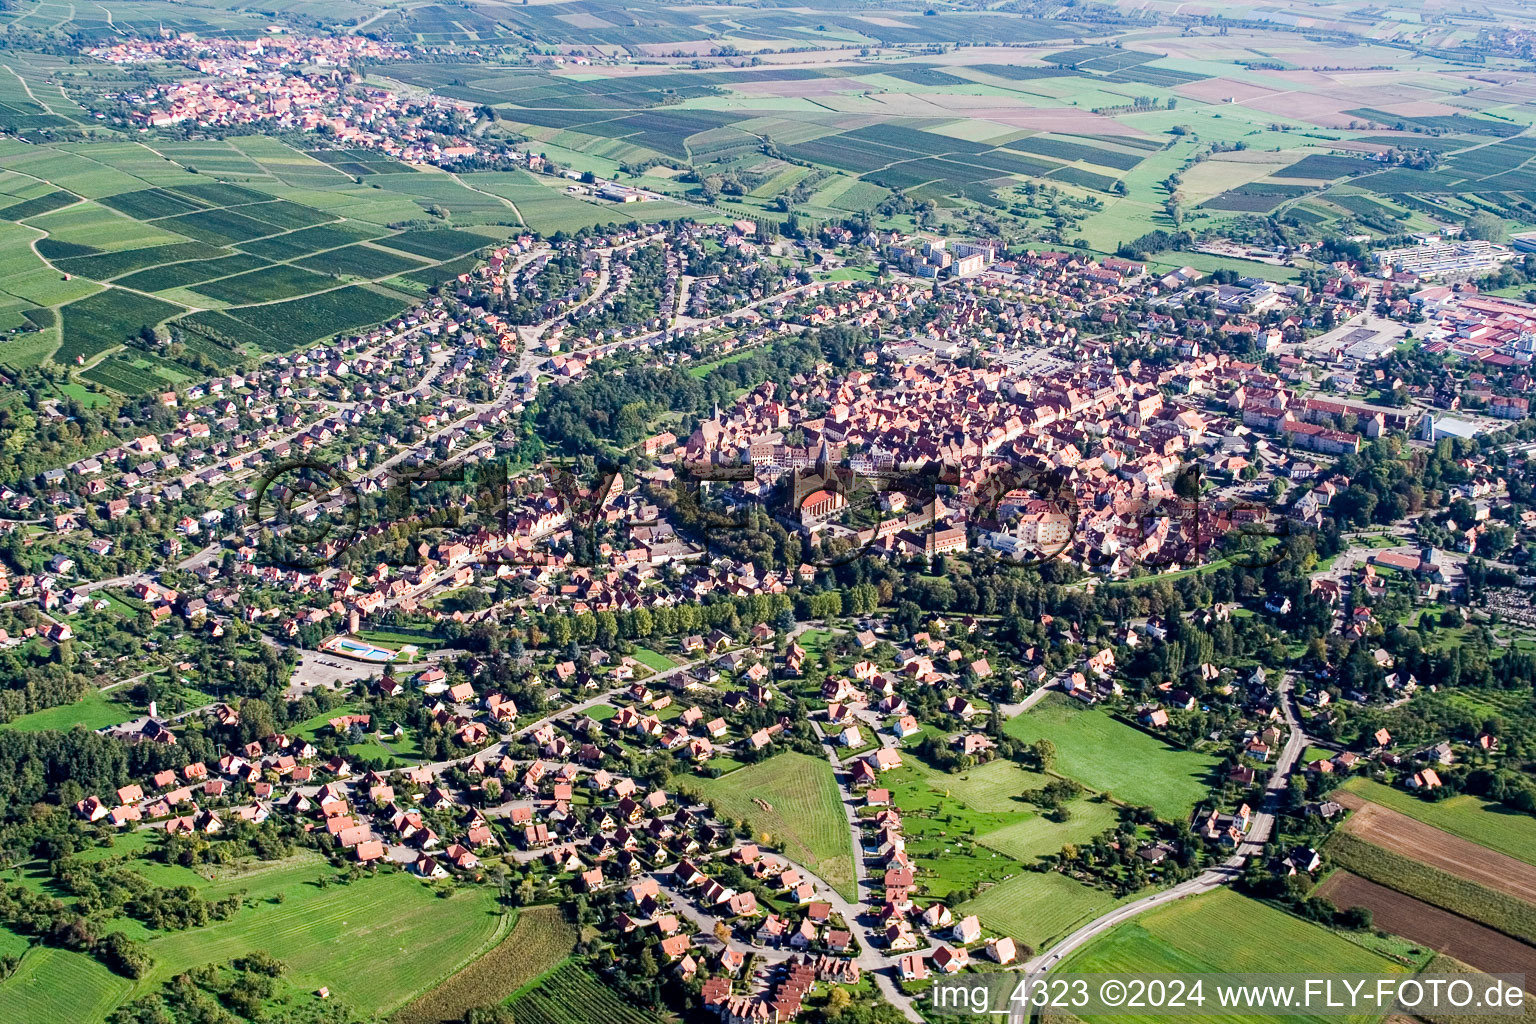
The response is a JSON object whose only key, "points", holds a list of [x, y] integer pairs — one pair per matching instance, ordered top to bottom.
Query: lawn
{"points": [[652, 660], [96, 711], [1110, 756], [803, 814], [1473, 819], [1038, 907], [1222, 932], [375, 943]]}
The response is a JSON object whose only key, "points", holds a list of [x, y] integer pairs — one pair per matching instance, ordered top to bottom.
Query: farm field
{"points": [[1110, 756], [804, 812], [1479, 822], [1385, 827], [1479, 902], [1038, 907], [1437, 929], [1222, 931], [342, 936], [538, 942], [59, 986], [574, 995]]}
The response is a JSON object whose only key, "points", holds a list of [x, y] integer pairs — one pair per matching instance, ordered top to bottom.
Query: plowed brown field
{"points": [[1429, 845], [1437, 929]]}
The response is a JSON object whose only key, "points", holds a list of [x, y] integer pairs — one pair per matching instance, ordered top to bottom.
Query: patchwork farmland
{"points": [[1430, 926]]}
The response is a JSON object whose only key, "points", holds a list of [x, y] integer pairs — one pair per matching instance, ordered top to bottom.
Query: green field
{"points": [[93, 325], [652, 660], [96, 711], [1110, 756], [992, 788], [806, 818], [1472, 818], [1037, 836], [1038, 907], [1222, 931], [540, 941], [375, 942], [59, 986], [574, 995]]}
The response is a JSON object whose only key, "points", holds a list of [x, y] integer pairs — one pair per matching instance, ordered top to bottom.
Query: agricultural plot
{"points": [[927, 76], [1443, 123], [1062, 149], [361, 162], [1325, 167], [1087, 179], [1244, 202], [151, 203], [29, 208], [90, 223], [218, 227], [311, 240], [437, 243], [364, 261], [107, 265], [180, 275], [432, 277], [279, 281], [98, 322], [284, 326], [126, 377], [1110, 756], [794, 799], [1479, 822], [1038, 907], [1496, 909], [1429, 926], [1222, 931], [374, 943], [537, 943], [574, 995]]}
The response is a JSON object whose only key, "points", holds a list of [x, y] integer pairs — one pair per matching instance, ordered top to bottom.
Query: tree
{"points": [[1484, 226]]}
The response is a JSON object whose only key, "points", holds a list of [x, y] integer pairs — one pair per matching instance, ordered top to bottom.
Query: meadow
{"points": [[97, 710], [1111, 757], [804, 815], [1038, 907], [375, 942], [59, 986]]}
